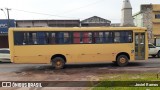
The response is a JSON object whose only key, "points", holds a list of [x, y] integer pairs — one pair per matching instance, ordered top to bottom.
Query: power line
{"points": [[90, 4], [42, 13], [59, 15], [8, 17]]}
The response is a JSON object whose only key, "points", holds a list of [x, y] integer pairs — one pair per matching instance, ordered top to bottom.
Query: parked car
{"points": [[153, 50], [4, 55]]}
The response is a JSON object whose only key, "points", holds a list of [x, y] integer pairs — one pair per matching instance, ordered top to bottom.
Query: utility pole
{"points": [[8, 17]]}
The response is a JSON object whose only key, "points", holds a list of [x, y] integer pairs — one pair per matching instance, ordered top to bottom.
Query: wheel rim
{"points": [[122, 60], [58, 63]]}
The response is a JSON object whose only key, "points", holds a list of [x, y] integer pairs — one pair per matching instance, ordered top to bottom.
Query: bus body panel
{"points": [[74, 53]]}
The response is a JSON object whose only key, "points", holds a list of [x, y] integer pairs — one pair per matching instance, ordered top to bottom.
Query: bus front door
{"points": [[139, 46]]}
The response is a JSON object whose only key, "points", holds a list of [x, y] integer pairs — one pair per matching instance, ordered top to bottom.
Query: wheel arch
{"points": [[123, 53], [58, 55]]}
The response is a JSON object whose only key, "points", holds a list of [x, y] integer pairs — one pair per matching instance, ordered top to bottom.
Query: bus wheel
{"points": [[158, 54], [153, 56], [122, 60], [58, 62]]}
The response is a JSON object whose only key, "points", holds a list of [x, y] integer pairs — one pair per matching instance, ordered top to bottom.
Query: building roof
{"points": [[154, 7], [95, 19], [51, 20]]}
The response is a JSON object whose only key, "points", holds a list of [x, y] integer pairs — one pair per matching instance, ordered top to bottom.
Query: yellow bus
{"points": [[73, 45]]}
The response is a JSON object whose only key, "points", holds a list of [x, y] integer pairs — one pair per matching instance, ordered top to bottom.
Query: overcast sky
{"points": [[68, 9]]}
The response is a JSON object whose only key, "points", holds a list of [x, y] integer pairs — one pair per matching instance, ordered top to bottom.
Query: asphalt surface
{"points": [[6, 67]]}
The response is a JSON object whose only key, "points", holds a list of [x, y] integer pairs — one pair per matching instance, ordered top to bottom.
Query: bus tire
{"points": [[158, 54], [154, 56], [122, 60], [114, 62], [58, 63]]}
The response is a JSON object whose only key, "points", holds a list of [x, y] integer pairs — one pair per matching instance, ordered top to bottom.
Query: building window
{"points": [[157, 16]]}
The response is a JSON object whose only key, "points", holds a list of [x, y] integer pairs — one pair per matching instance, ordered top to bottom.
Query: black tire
{"points": [[158, 54], [153, 56], [122, 60], [58, 63], [114, 63]]}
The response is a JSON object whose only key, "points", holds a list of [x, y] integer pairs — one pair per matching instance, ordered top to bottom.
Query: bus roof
{"points": [[76, 28]]}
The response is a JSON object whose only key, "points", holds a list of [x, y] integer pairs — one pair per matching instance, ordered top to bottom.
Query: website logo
{"points": [[6, 84]]}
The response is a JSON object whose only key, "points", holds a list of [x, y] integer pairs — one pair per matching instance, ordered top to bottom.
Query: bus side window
{"points": [[59, 37], [63, 37], [76, 37], [81, 37], [87, 37], [98, 37], [101, 37], [108, 37], [117, 37], [125, 37], [129, 37], [18, 38], [30, 38], [35, 38], [52, 38], [67, 38], [25, 39]]}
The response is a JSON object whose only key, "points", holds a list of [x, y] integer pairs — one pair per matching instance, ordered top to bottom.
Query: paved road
{"points": [[10, 67]]}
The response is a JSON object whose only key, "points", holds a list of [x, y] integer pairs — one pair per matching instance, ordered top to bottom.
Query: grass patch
{"points": [[121, 79]]}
